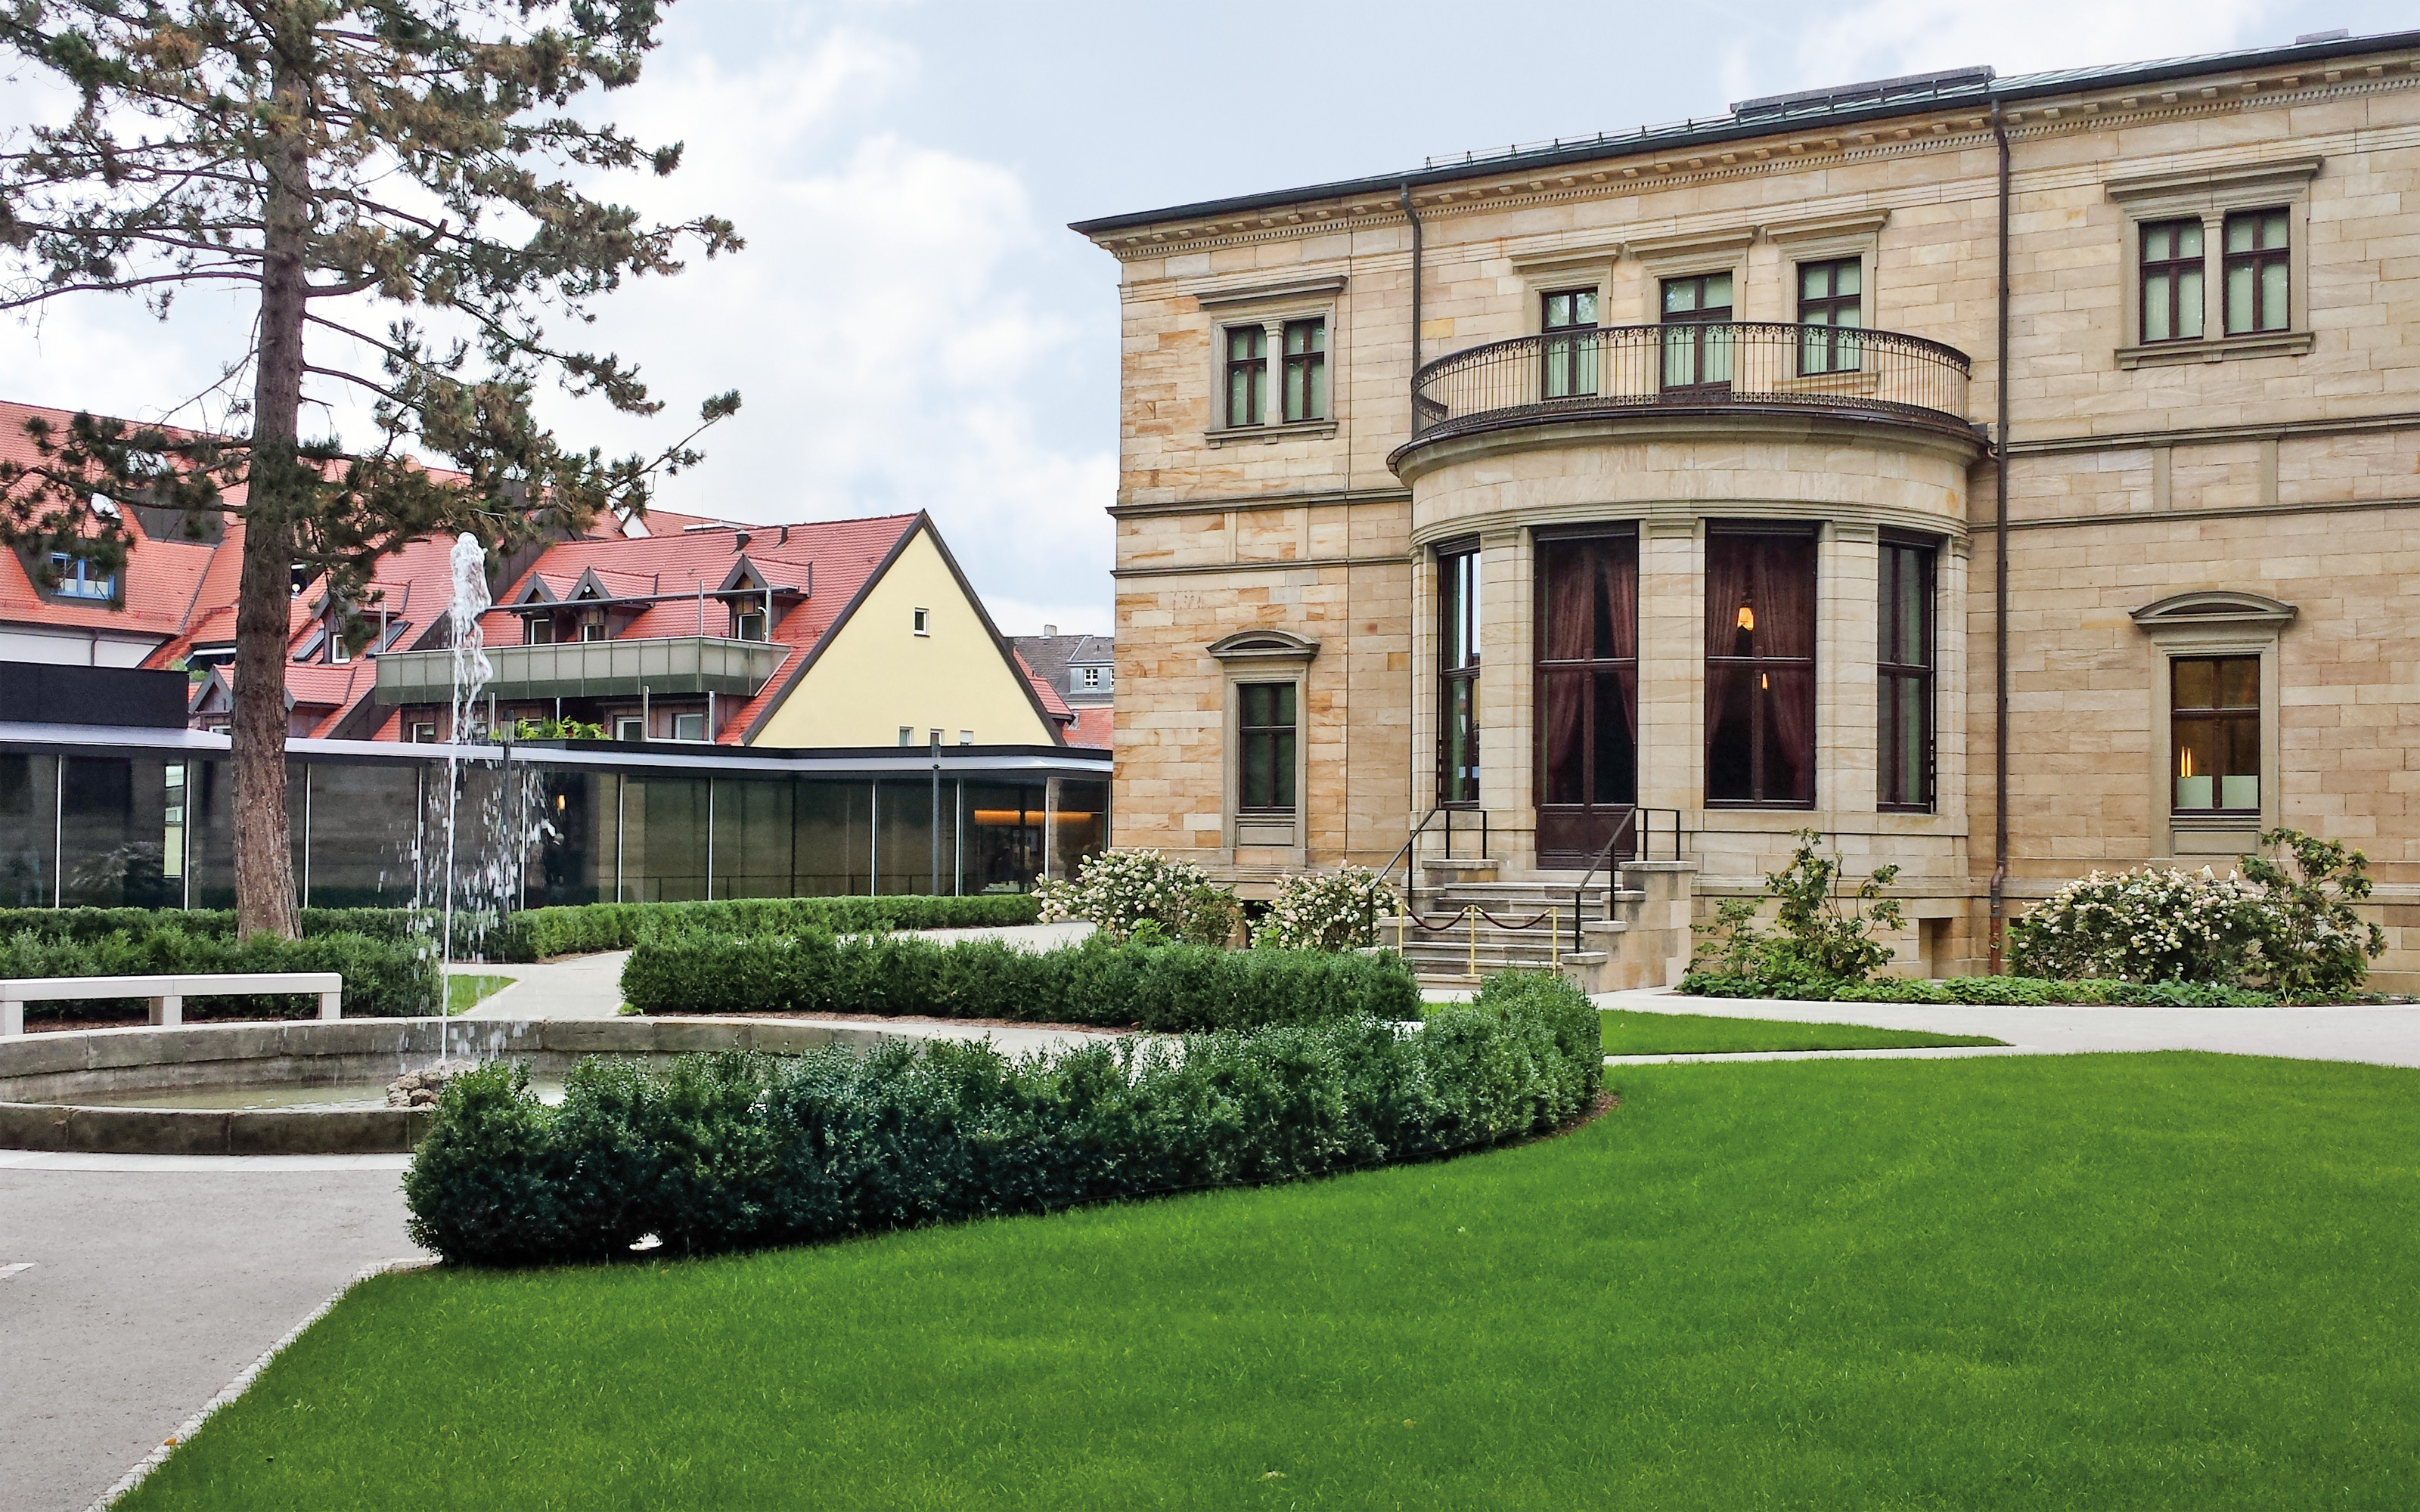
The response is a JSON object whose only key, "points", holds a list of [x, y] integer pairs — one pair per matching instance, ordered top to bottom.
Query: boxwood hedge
{"points": [[539, 932], [384, 977], [1170, 988], [2023, 992], [734, 1150]]}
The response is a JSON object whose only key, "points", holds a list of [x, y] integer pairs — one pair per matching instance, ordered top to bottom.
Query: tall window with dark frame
{"points": [[2257, 271], [2172, 277], [1831, 299], [1698, 341], [1569, 360], [1305, 369], [1248, 375], [1761, 668], [1458, 674], [1904, 674], [1587, 694], [1265, 731], [2214, 733]]}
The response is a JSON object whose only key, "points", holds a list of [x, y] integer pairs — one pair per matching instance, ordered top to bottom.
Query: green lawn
{"points": [[464, 993], [1628, 1033], [2056, 1282]]}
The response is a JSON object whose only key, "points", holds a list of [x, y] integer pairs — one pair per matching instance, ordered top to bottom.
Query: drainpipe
{"points": [[1412, 216], [2000, 577]]}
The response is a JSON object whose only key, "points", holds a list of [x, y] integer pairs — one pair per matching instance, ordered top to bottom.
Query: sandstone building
{"points": [[2005, 476]]}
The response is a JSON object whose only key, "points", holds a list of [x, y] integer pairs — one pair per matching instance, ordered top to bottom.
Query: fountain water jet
{"points": [[472, 669]]}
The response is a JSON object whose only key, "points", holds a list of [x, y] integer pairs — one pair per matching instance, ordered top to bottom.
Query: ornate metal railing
{"points": [[1747, 364]]}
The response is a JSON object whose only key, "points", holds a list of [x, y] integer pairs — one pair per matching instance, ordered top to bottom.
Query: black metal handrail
{"points": [[1747, 364], [1645, 852], [1408, 861]]}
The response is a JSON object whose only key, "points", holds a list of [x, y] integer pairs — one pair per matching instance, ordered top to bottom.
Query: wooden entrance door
{"points": [[1586, 665]]}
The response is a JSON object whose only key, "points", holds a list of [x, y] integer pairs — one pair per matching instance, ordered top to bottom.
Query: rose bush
{"points": [[1326, 911]]}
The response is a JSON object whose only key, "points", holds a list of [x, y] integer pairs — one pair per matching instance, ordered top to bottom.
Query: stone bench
{"points": [[167, 995]]}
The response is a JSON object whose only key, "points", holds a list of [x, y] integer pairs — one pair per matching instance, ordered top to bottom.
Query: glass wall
{"points": [[906, 811], [359, 822], [1078, 828], [112, 832], [1005, 836], [28, 837], [756, 837]]}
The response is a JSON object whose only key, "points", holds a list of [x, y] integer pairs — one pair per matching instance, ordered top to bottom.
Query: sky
{"points": [[912, 326]]}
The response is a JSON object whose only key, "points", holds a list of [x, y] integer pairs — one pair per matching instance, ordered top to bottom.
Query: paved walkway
{"points": [[2385, 1035], [148, 1289]]}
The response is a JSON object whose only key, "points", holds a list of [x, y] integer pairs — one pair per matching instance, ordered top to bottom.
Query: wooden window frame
{"points": [[2257, 260], [2174, 268], [1700, 315], [1837, 356], [1309, 364], [1568, 367], [1251, 369], [1813, 663], [1890, 675], [1459, 677], [2212, 714], [1286, 736]]}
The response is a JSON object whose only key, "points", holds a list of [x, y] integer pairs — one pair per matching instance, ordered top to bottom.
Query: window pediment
{"points": [[2215, 607], [1263, 645]]}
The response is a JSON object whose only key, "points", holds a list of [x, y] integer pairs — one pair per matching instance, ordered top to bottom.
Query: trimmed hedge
{"points": [[91, 924], [536, 934], [384, 977], [1167, 988], [2020, 991], [736, 1151]]}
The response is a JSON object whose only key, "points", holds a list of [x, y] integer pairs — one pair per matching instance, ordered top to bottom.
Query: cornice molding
{"points": [[1277, 293], [1224, 504]]}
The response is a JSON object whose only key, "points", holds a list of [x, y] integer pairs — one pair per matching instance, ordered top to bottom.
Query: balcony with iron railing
{"points": [[1704, 368], [589, 668]]}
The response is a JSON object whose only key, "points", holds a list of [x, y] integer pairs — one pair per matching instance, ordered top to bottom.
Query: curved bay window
{"points": [[1760, 667], [1458, 673], [1587, 693]]}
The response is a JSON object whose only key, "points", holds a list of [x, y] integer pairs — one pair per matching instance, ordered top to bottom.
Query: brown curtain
{"points": [[1730, 572], [1616, 575], [1785, 595], [1569, 617]]}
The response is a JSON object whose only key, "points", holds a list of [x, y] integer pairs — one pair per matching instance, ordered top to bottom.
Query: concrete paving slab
{"points": [[149, 1289]]}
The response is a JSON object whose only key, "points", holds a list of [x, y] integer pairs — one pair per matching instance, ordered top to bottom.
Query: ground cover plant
{"points": [[1154, 984], [1629, 1032], [733, 1150], [2054, 1282]]}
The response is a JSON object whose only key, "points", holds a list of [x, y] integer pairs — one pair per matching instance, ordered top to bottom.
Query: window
{"points": [[2172, 263], [2257, 271], [1830, 295], [1698, 353], [1570, 361], [1305, 369], [1247, 374], [79, 578], [924, 621], [748, 623], [592, 628], [537, 630], [337, 649], [1760, 668], [1458, 673], [1904, 674], [1090, 678], [1587, 693], [630, 727], [689, 727], [2214, 732], [423, 733], [907, 735], [965, 737], [936, 738], [1265, 768], [172, 840]]}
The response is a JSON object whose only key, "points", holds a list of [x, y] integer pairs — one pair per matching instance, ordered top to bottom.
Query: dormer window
{"points": [[79, 578], [748, 623], [592, 628], [537, 630], [1089, 678]]}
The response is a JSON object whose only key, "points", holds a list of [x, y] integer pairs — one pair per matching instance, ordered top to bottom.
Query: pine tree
{"points": [[331, 156]]}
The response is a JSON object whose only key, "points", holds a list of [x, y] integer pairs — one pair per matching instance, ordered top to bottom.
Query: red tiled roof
{"points": [[1052, 705], [1095, 727]]}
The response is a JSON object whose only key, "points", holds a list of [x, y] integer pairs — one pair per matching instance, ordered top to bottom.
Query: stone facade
{"points": [[2254, 494]]}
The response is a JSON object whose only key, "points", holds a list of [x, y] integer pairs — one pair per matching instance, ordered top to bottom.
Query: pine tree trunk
{"points": [[277, 493]]}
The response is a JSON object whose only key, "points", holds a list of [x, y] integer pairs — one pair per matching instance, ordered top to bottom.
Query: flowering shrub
{"points": [[1123, 891], [1326, 911], [2285, 922], [2137, 926], [1819, 940]]}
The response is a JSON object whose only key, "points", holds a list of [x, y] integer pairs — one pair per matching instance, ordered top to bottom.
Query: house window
{"points": [[2257, 271], [2172, 275], [1830, 295], [1697, 346], [1569, 360], [1305, 369], [1247, 374], [79, 578], [924, 621], [748, 624], [592, 628], [537, 630], [337, 649], [1761, 668], [1458, 674], [1904, 674], [1090, 677], [1587, 698], [630, 727], [689, 727], [423, 733], [2214, 733], [907, 735], [965, 737], [1265, 768]]}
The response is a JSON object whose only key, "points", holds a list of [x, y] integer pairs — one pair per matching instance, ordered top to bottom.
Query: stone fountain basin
{"points": [[42, 1076]]}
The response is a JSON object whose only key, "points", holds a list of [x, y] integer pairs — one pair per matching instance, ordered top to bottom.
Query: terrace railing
{"points": [[1762, 364]]}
